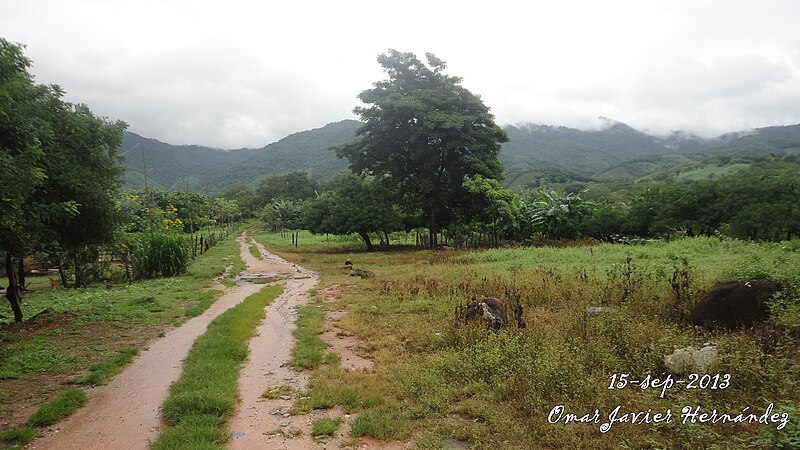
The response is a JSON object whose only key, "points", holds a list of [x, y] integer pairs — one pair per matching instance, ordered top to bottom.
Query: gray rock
{"points": [[598, 310], [694, 359]]}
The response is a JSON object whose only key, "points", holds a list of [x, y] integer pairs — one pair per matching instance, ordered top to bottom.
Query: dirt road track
{"points": [[257, 421]]}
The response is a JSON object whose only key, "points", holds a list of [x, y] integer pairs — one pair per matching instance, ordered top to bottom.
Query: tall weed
{"points": [[160, 254]]}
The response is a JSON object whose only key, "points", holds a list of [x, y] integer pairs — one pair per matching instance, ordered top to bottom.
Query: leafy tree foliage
{"points": [[426, 133], [81, 169], [58, 176], [294, 185], [243, 196], [759, 204], [354, 206], [492, 208], [282, 214], [554, 215], [605, 221]]}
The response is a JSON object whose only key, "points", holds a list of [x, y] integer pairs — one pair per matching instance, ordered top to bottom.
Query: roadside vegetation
{"points": [[308, 351]]}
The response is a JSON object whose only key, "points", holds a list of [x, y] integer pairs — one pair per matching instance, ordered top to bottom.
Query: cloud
{"points": [[713, 97]]}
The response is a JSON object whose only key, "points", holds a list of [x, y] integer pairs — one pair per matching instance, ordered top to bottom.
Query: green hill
{"points": [[307, 151], [168, 164]]}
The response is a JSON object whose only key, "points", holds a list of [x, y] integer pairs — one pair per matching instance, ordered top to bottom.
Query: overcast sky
{"points": [[232, 74]]}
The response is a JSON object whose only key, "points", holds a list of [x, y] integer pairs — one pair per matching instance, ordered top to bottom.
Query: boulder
{"points": [[734, 304], [695, 359]]}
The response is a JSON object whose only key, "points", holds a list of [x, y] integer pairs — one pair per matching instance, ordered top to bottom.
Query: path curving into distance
{"points": [[125, 414]]}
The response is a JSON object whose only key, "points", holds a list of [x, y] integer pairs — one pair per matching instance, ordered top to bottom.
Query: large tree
{"points": [[426, 134], [20, 158], [58, 172], [293, 185]]}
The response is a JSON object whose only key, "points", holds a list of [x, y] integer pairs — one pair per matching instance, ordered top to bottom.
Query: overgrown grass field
{"points": [[435, 381]]}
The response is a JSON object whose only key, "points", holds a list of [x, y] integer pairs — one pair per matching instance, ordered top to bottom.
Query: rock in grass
{"points": [[363, 273], [734, 304], [592, 311], [695, 359]]}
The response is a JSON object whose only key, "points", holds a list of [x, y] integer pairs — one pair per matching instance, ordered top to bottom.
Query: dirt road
{"points": [[125, 414], [261, 423]]}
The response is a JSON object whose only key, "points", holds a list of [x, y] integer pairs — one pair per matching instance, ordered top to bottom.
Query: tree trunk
{"points": [[432, 228], [385, 234], [365, 236], [78, 273], [21, 274], [63, 275], [12, 292]]}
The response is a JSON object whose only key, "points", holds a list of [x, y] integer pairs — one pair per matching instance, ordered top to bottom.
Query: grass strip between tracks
{"points": [[205, 396]]}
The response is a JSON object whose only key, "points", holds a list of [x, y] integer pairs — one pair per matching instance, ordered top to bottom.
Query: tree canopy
{"points": [[426, 134], [354, 206]]}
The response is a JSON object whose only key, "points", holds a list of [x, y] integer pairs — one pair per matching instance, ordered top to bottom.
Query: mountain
{"points": [[779, 140], [308, 151], [587, 152], [535, 155], [168, 164], [212, 170]]}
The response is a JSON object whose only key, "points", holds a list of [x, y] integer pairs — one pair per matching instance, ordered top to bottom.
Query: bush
{"points": [[159, 254]]}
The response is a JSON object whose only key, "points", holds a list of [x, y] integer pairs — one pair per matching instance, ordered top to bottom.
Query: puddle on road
{"points": [[271, 277], [263, 280]]}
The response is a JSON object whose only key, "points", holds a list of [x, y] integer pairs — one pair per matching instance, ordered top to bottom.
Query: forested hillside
{"points": [[307, 151], [166, 164], [212, 170]]}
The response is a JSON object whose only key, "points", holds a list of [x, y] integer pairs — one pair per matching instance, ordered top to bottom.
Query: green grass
{"points": [[711, 171], [254, 250], [711, 260], [207, 265], [309, 349], [40, 354], [103, 371], [331, 386], [205, 395], [60, 408], [377, 425], [325, 426], [17, 436]]}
